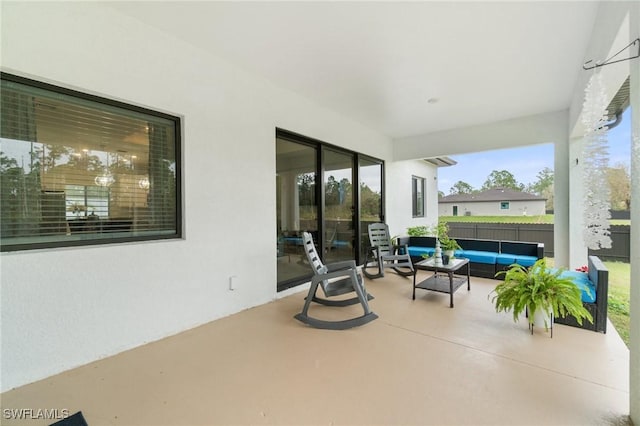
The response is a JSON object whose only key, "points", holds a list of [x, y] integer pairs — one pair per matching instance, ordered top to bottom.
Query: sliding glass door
{"points": [[371, 182], [329, 192], [297, 207]]}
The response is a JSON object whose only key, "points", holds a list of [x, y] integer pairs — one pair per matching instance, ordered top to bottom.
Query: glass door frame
{"points": [[321, 148]]}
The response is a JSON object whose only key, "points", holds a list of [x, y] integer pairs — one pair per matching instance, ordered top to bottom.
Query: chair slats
{"points": [[385, 254]]}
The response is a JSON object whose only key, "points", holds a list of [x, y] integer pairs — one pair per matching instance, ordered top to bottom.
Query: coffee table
{"points": [[445, 278]]}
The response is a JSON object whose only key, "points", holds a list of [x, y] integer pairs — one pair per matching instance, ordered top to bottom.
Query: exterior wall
{"points": [[399, 194], [492, 208], [66, 307]]}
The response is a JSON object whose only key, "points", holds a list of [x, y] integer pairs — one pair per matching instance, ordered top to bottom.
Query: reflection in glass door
{"points": [[370, 174], [297, 208], [339, 210]]}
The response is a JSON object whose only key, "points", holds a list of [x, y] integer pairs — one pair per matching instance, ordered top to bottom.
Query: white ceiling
{"points": [[379, 62]]}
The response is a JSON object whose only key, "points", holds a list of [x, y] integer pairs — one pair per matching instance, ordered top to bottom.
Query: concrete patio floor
{"points": [[419, 363]]}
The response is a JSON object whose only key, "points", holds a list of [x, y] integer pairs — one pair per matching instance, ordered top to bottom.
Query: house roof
{"points": [[496, 194]]}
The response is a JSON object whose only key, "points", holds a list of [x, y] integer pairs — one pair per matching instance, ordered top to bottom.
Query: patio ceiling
{"points": [[381, 62]]}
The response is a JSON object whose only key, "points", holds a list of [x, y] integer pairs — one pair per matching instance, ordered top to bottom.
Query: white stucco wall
{"points": [[399, 195], [492, 208], [65, 307]]}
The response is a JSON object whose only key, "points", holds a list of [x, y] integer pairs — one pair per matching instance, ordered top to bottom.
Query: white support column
{"points": [[562, 166], [577, 249], [634, 343]]}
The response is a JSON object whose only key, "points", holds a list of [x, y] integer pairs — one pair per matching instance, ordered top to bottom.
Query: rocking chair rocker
{"points": [[385, 254], [349, 281]]}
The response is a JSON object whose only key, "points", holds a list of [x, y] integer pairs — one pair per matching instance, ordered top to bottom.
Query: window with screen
{"points": [[78, 169]]}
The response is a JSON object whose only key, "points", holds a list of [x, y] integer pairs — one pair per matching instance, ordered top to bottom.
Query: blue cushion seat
{"points": [[294, 240], [419, 251], [485, 257], [510, 259], [581, 279]]}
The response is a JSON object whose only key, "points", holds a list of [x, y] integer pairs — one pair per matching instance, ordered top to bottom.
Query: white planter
{"points": [[542, 320]]}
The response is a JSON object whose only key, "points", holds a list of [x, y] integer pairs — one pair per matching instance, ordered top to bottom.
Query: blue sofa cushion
{"points": [[294, 240], [339, 243], [419, 251], [486, 257], [520, 259], [581, 279]]}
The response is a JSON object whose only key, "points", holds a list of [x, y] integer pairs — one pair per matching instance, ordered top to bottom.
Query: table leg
{"points": [[469, 276], [414, 283], [450, 289]]}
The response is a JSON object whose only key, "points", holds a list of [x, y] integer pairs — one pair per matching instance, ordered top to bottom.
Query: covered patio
{"points": [[194, 330], [421, 362]]}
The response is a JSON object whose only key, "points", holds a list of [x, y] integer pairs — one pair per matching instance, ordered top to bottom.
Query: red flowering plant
{"points": [[584, 269]]}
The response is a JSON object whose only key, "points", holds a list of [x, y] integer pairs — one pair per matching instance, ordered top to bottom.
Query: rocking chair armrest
{"points": [[342, 265], [335, 274]]}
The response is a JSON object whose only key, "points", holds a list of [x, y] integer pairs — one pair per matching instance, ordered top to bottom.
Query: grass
{"points": [[546, 218], [619, 288]]}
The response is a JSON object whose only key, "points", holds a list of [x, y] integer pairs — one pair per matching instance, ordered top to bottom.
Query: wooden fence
{"points": [[540, 233]]}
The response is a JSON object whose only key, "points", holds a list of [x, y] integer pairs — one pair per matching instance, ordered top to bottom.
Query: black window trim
{"points": [[179, 234]]}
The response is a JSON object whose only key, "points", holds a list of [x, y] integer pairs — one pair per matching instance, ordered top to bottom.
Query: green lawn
{"points": [[547, 218], [619, 283]]}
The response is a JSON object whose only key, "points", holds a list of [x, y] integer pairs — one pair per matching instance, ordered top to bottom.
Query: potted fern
{"points": [[538, 289]]}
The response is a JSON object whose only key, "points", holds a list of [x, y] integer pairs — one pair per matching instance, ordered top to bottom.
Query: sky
{"points": [[525, 163]]}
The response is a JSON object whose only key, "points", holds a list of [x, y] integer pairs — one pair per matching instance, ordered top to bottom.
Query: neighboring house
{"points": [[493, 202]]}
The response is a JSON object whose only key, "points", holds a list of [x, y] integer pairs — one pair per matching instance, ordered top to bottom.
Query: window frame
{"points": [[415, 181], [505, 205], [103, 240]]}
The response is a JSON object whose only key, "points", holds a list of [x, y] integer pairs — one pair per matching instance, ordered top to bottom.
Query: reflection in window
{"points": [[76, 169], [417, 191], [297, 208]]}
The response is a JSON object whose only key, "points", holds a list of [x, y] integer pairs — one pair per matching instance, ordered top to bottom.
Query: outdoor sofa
{"points": [[486, 257], [594, 285]]}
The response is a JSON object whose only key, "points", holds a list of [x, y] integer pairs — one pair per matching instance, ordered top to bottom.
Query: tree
{"points": [[502, 179], [545, 180], [619, 181], [543, 186], [461, 187], [370, 203]]}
